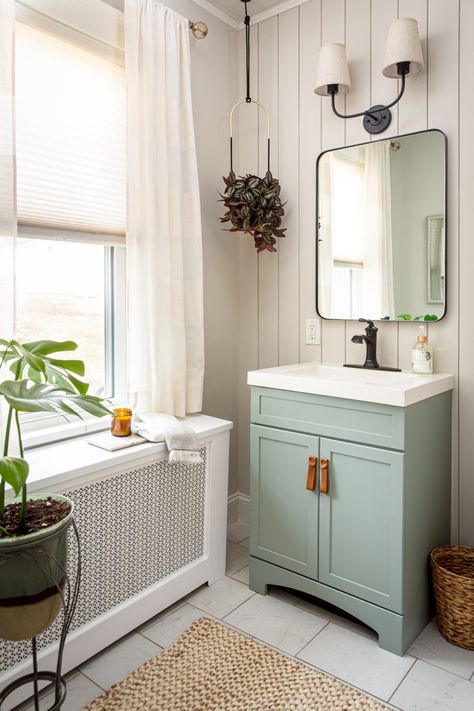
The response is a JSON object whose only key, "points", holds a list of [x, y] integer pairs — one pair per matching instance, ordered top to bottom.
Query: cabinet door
{"points": [[284, 514], [360, 548]]}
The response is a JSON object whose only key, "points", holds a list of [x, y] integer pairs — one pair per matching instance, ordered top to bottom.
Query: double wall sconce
{"points": [[403, 58]]}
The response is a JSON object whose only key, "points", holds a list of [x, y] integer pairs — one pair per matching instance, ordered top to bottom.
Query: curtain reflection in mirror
{"points": [[377, 228], [355, 232]]}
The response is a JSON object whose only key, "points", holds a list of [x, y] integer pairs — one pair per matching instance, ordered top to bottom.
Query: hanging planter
{"points": [[253, 204]]}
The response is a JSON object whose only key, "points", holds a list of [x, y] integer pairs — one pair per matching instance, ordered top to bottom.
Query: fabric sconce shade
{"points": [[403, 45], [332, 69]]}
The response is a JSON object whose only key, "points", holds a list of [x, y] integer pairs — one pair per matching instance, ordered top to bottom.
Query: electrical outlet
{"points": [[313, 331]]}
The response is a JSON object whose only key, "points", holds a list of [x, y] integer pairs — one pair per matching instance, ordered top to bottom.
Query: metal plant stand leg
{"points": [[68, 603]]}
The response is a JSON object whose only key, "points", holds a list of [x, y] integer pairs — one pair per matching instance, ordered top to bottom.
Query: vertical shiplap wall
{"points": [[277, 291]]}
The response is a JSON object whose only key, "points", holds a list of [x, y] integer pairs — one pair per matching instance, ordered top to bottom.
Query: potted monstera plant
{"points": [[33, 529]]}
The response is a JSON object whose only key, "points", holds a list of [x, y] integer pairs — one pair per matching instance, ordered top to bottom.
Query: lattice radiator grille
{"points": [[136, 528]]}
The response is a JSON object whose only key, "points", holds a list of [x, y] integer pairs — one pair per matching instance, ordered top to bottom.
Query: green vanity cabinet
{"points": [[362, 541]]}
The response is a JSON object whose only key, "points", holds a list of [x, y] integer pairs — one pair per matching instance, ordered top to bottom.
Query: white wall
{"points": [[276, 292]]}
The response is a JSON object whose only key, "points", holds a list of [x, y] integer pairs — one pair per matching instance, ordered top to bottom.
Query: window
{"points": [[71, 198]]}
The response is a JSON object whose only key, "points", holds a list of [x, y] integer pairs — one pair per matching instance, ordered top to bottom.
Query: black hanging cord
{"points": [[247, 51], [248, 99]]}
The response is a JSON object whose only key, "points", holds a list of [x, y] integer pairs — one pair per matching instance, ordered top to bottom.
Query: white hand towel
{"points": [[182, 443]]}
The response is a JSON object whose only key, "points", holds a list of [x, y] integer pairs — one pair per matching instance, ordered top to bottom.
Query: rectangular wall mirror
{"points": [[381, 229]]}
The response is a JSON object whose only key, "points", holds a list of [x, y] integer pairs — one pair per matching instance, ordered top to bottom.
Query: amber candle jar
{"points": [[121, 422]]}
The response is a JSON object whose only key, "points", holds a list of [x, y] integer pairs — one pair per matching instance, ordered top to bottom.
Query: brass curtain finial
{"points": [[199, 29]]}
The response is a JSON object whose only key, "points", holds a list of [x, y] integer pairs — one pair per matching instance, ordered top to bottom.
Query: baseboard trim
{"points": [[238, 508]]}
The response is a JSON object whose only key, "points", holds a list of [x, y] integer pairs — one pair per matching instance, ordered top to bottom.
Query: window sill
{"points": [[60, 433], [76, 461]]}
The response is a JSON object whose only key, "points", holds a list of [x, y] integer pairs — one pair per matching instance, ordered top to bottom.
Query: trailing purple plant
{"points": [[254, 206]]}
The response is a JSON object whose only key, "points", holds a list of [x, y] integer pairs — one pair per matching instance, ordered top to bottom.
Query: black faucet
{"points": [[370, 340]]}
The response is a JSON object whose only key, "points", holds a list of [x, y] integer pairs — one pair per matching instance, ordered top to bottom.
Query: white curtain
{"points": [[8, 224], [164, 243], [377, 295]]}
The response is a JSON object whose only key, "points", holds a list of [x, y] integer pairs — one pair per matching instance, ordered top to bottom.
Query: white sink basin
{"points": [[384, 387]]}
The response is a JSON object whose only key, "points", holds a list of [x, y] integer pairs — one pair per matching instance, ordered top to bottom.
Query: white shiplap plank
{"points": [[358, 55], [383, 90], [443, 97], [412, 111], [412, 116], [332, 136], [310, 147], [288, 152], [246, 161], [267, 261], [466, 330], [407, 336], [387, 350]]}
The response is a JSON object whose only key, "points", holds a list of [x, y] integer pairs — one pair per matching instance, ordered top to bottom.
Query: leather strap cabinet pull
{"points": [[311, 478], [324, 484]]}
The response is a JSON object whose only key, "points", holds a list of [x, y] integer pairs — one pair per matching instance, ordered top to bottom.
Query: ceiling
{"points": [[236, 9]]}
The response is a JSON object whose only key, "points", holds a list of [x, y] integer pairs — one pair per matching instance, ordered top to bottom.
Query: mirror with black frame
{"points": [[381, 235]]}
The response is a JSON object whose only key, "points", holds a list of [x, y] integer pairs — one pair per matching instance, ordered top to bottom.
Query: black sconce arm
{"points": [[368, 112], [377, 118]]}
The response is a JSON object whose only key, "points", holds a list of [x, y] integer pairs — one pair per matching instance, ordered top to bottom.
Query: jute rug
{"points": [[213, 668]]}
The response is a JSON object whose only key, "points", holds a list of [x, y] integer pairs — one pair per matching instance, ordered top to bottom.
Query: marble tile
{"points": [[238, 531], [245, 543], [237, 558], [242, 575], [221, 598], [164, 613], [332, 616], [275, 622], [167, 630], [432, 647], [118, 660], [357, 660], [428, 688], [80, 692]]}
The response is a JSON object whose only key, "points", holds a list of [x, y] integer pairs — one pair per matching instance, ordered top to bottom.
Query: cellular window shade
{"points": [[70, 136]]}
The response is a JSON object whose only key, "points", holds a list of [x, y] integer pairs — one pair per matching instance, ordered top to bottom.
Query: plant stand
{"points": [[69, 597]]}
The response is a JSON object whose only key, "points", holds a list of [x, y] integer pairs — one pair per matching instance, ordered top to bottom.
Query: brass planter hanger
{"points": [[231, 119]]}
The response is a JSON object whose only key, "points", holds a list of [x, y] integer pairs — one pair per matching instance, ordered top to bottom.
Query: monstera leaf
{"points": [[32, 360], [24, 396], [14, 471]]}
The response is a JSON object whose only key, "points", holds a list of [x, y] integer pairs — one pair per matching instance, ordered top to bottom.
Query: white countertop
{"points": [[383, 387]]}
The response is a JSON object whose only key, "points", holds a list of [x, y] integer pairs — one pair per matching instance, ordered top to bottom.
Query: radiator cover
{"points": [[136, 528]]}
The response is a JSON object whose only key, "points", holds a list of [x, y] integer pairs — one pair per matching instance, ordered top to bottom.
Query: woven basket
{"points": [[453, 581]]}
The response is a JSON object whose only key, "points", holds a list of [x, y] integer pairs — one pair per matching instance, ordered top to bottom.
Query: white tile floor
{"points": [[433, 676]]}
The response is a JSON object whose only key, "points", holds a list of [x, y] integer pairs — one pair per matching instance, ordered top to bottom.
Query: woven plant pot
{"points": [[453, 581]]}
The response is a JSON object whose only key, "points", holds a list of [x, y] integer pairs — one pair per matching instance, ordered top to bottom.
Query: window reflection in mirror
{"points": [[381, 229]]}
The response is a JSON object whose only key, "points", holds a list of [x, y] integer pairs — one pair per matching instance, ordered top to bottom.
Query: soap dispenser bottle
{"points": [[422, 356]]}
